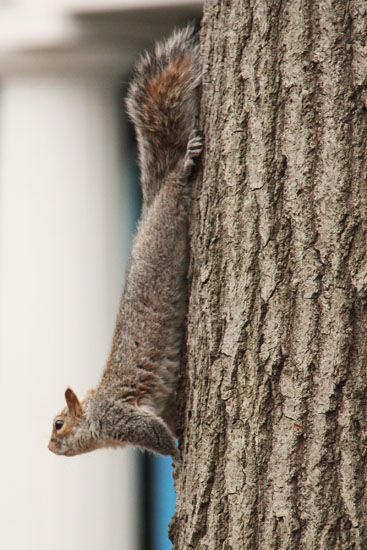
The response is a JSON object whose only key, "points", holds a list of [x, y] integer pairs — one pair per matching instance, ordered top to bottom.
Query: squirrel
{"points": [[134, 403]]}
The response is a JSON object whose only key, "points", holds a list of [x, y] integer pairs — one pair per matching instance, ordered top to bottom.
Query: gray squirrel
{"points": [[134, 403]]}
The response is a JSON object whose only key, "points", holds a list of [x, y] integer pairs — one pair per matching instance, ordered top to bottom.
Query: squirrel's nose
{"points": [[51, 447]]}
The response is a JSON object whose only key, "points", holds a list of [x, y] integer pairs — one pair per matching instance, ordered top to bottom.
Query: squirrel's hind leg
{"points": [[193, 151]]}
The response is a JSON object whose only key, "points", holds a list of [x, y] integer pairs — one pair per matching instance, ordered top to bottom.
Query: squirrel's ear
{"points": [[73, 403]]}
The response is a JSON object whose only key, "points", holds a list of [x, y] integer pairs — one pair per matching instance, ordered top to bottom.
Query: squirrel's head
{"points": [[70, 432]]}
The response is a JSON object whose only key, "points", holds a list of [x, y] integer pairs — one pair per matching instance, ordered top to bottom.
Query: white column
{"points": [[64, 229]]}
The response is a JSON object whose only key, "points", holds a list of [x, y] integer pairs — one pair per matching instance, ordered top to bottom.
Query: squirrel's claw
{"points": [[195, 144], [193, 151]]}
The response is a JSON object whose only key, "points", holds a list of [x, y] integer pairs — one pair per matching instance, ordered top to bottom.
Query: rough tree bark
{"points": [[275, 399]]}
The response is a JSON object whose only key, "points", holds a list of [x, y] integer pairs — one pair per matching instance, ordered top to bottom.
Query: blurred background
{"points": [[69, 203]]}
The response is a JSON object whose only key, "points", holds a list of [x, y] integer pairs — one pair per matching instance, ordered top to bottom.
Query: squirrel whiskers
{"points": [[134, 403]]}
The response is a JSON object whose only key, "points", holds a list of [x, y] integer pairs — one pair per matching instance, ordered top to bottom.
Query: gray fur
{"points": [[135, 400]]}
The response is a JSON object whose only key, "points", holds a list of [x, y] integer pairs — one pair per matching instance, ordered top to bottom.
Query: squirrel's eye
{"points": [[59, 424]]}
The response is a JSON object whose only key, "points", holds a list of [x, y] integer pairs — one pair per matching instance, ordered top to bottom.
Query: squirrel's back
{"points": [[162, 103]]}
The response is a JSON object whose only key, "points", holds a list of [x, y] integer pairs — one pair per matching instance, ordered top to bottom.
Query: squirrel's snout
{"points": [[52, 446]]}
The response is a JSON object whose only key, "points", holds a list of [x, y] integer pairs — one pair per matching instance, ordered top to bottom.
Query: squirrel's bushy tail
{"points": [[162, 102]]}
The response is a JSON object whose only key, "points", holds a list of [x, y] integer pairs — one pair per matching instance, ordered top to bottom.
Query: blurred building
{"points": [[68, 208]]}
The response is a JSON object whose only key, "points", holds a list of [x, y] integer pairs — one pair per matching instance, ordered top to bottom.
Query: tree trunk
{"points": [[275, 408]]}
